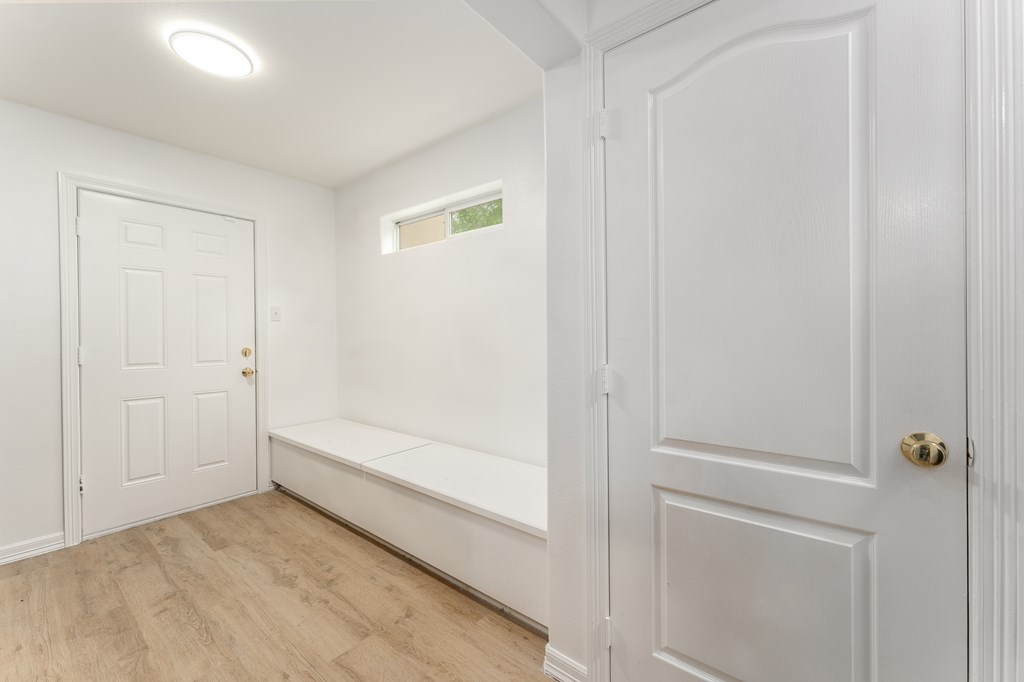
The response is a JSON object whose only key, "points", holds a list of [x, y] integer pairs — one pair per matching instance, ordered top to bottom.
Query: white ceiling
{"points": [[340, 88]]}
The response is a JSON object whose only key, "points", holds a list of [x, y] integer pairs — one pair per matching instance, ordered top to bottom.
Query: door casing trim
{"points": [[994, 49], [994, 62], [68, 188]]}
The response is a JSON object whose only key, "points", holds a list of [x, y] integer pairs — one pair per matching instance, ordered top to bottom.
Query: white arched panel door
{"points": [[785, 216]]}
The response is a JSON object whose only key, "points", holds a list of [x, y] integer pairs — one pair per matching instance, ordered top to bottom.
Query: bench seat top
{"points": [[347, 442], [505, 490]]}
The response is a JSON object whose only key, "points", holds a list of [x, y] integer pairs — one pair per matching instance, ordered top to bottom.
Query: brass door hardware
{"points": [[924, 449]]}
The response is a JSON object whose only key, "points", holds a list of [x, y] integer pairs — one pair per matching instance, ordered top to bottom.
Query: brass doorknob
{"points": [[246, 352], [248, 372], [924, 449]]}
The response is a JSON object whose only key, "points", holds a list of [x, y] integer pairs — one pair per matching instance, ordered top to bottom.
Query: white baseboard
{"points": [[30, 548], [562, 668]]}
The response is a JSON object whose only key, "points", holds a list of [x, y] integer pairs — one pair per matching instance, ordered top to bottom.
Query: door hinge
{"points": [[602, 124], [78, 226], [81, 356], [604, 379], [970, 452], [81, 485], [607, 632]]}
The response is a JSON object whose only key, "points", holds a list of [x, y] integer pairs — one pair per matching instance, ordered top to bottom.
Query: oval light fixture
{"points": [[211, 54]]}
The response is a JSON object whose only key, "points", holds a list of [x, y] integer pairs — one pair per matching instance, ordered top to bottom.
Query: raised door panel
{"points": [[142, 235], [209, 244], [762, 251], [143, 319], [210, 320], [211, 429], [143, 440], [766, 597]]}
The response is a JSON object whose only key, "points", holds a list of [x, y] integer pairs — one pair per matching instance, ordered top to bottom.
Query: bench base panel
{"points": [[504, 564]]}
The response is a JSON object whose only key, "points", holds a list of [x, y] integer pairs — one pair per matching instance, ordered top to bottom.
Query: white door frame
{"points": [[994, 49], [69, 186]]}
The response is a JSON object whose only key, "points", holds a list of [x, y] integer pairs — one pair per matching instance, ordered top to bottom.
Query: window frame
{"points": [[446, 209]]}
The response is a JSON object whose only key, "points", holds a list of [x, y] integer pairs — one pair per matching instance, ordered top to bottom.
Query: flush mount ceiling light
{"points": [[211, 54]]}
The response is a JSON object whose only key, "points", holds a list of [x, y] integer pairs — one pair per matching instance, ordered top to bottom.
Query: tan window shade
{"points": [[421, 232]]}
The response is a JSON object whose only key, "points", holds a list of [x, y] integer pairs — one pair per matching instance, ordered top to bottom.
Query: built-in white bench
{"points": [[479, 518]]}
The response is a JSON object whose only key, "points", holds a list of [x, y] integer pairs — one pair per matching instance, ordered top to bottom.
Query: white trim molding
{"points": [[634, 25], [994, 53], [69, 186], [595, 356], [30, 548], [598, 555], [560, 667]]}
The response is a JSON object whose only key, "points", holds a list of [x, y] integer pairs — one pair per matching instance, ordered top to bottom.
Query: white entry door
{"points": [[785, 215], [167, 306]]}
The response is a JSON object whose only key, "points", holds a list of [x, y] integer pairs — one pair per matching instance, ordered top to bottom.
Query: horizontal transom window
{"points": [[449, 221]]}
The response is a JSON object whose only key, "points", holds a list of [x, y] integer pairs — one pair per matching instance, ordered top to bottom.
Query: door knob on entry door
{"points": [[246, 352], [248, 372], [924, 449]]}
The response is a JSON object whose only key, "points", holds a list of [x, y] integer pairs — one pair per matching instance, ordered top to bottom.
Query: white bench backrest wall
{"points": [[448, 340]]}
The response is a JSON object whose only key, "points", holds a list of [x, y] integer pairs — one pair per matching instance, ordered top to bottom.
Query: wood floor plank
{"points": [[206, 525], [25, 565], [352, 570], [260, 588], [87, 607], [316, 616], [238, 618], [176, 630], [24, 646], [455, 650], [375, 660]]}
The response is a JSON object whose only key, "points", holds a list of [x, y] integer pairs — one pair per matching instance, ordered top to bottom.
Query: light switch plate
{"points": [[275, 313]]}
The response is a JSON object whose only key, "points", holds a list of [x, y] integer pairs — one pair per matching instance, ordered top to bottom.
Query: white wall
{"points": [[571, 14], [588, 16], [34, 147], [447, 341], [567, 375]]}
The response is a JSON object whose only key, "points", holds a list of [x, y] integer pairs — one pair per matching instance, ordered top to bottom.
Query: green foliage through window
{"points": [[475, 217]]}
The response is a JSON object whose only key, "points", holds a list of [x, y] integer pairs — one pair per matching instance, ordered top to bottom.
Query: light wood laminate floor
{"points": [[261, 588]]}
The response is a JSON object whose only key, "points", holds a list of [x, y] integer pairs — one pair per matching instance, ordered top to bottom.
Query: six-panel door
{"points": [[167, 305]]}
